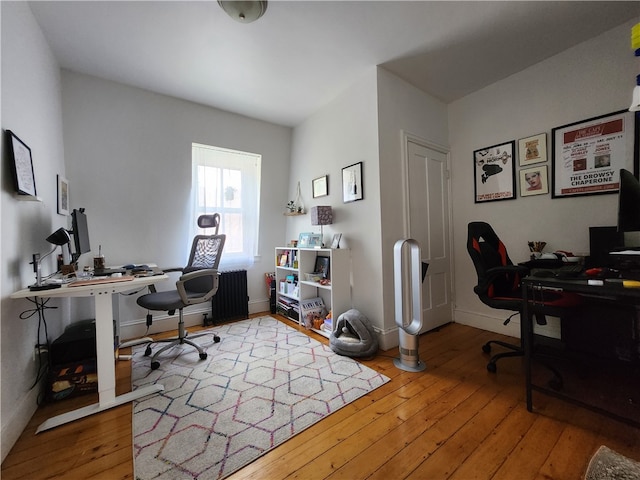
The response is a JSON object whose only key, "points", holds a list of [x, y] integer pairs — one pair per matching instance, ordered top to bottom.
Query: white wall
{"points": [[593, 78], [31, 108], [402, 108], [364, 124], [342, 133], [128, 154]]}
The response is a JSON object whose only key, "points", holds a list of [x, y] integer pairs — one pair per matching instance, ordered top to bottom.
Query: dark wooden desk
{"points": [[614, 388]]}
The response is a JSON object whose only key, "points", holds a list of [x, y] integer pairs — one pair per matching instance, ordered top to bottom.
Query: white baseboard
{"points": [[162, 322], [490, 322], [495, 324], [13, 428]]}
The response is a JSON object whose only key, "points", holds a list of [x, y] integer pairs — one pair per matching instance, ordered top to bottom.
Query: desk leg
{"points": [[527, 331], [105, 350], [106, 370]]}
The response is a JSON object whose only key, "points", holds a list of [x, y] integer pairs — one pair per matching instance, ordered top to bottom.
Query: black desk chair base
{"points": [[181, 339], [515, 351]]}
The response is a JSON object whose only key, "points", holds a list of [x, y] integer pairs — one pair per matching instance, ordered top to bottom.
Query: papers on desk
{"points": [[626, 252]]}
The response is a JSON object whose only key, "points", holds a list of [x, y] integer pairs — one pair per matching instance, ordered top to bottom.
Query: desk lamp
{"points": [[321, 215], [58, 238]]}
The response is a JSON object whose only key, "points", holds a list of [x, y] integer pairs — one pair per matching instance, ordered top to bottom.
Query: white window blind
{"points": [[228, 182]]}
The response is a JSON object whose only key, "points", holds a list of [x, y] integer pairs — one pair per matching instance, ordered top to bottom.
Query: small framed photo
{"points": [[532, 149], [22, 165], [534, 181], [352, 183], [320, 186], [63, 195], [303, 239], [315, 240], [335, 243], [322, 267]]}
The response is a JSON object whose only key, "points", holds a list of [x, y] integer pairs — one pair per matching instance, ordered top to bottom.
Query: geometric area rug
{"points": [[262, 384]]}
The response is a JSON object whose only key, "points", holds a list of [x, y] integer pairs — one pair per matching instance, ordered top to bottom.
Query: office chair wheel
{"points": [[216, 339], [486, 348], [147, 351], [203, 356], [155, 365], [492, 367]]}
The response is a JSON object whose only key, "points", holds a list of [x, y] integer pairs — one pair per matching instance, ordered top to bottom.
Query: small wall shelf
{"points": [[26, 198], [293, 214]]}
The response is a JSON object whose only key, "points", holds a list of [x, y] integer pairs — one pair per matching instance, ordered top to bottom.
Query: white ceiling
{"points": [[302, 54]]}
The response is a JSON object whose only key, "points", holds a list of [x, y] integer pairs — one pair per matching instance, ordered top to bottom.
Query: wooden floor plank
{"points": [[454, 420]]}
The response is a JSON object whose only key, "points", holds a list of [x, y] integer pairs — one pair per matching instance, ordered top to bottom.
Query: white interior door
{"points": [[428, 223]]}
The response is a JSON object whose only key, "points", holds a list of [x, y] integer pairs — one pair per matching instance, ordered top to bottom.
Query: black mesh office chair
{"points": [[197, 284], [499, 286]]}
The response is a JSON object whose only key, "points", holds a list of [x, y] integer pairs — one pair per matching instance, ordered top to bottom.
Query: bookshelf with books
{"points": [[310, 283]]}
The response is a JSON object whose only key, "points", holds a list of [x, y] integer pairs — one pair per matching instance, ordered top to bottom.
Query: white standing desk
{"points": [[104, 344]]}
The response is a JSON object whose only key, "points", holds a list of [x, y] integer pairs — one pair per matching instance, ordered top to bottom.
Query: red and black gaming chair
{"points": [[499, 286]]}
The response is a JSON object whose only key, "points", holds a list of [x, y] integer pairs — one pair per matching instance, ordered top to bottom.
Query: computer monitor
{"points": [[628, 203], [629, 208], [80, 232]]}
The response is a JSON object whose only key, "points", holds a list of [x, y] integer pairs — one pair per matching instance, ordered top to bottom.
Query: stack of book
{"points": [[288, 307]]}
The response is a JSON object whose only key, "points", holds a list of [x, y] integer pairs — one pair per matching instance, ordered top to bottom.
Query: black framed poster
{"points": [[588, 155], [494, 173]]}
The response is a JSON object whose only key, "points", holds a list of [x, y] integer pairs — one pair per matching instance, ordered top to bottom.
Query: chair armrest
{"points": [[495, 272], [152, 287], [190, 299]]}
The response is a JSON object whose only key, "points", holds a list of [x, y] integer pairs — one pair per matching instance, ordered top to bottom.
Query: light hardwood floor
{"points": [[453, 421]]}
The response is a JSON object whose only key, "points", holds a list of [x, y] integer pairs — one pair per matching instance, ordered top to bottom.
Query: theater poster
{"points": [[588, 155], [494, 173]]}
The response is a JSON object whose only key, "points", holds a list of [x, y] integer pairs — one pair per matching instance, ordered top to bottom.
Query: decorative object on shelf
{"points": [[244, 12], [532, 149], [587, 156], [22, 165], [494, 173], [534, 181], [352, 183], [320, 186], [63, 195], [296, 207], [321, 215], [309, 240], [315, 240], [335, 243], [322, 267]]}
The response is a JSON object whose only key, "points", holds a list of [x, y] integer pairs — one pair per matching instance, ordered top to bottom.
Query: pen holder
{"points": [[536, 247], [98, 262]]}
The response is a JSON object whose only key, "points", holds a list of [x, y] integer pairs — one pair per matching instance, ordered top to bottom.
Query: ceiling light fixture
{"points": [[244, 12]]}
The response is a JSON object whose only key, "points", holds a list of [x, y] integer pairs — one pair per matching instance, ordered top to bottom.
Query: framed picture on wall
{"points": [[532, 149], [587, 156], [22, 165], [494, 173], [534, 181], [352, 183], [320, 186], [63, 195]]}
